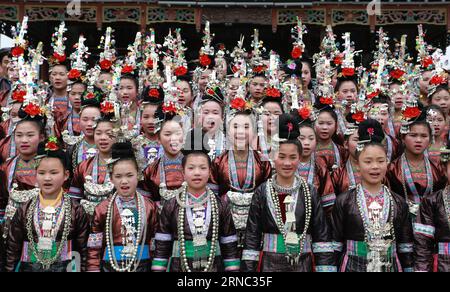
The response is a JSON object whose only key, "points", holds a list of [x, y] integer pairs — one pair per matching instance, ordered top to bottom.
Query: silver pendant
{"points": [[200, 240], [45, 244]]}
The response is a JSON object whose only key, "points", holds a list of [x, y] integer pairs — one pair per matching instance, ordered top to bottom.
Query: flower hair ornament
{"points": [[297, 35], [20, 43], [59, 55], [108, 55], [206, 55], [424, 59], [78, 61], [256, 61], [439, 75], [411, 112], [287, 131], [369, 131]]}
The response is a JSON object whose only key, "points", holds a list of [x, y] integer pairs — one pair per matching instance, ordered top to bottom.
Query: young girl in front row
{"points": [[370, 223], [123, 225], [196, 228], [47, 230]]}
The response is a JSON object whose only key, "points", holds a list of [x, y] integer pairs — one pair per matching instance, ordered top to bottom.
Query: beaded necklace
{"points": [[215, 230], [291, 254], [41, 255], [135, 260]]}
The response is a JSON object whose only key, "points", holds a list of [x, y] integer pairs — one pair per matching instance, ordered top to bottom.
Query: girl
{"points": [[307, 76], [257, 87], [347, 92], [128, 96], [57, 97], [441, 97], [397, 99], [186, 102], [379, 110], [211, 120], [70, 121], [438, 122], [7, 126], [267, 127], [326, 128], [147, 142], [83, 147], [312, 169], [238, 172], [19, 173], [165, 174], [413, 175], [347, 177], [91, 181], [286, 218], [370, 223], [123, 225], [196, 229], [432, 229], [47, 230]]}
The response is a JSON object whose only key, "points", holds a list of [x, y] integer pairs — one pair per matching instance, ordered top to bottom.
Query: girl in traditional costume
{"points": [[413, 175], [91, 182], [370, 223], [125, 224], [286, 225], [432, 227], [47, 230], [196, 230]]}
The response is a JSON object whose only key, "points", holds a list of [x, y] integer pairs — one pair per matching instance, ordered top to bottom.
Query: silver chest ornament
{"points": [[95, 194], [16, 200], [240, 206], [48, 229], [128, 231], [378, 258]]}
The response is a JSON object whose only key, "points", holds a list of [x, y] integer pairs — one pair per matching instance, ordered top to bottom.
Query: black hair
{"points": [[4, 52], [311, 69], [131, 77], [341, 81], [442, 87], [147, 98], [269, 99], [40, 121], [421, 122], [307, 125], [371, 130], [195, 144], [123, 151], [195, 153], [59, 154]]}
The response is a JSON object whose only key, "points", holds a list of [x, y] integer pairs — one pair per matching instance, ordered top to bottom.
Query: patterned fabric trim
{"points": [[328, 200], [425, 230], [163, 237], [228, 239], [95, 240], [318, 247], [405, 247], [250, 255], [324, 269]]}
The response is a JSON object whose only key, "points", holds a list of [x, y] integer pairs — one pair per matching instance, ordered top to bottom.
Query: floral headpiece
{"points": [[297, 35], [58, 39], [20, 43], [108, 56], [206, 56], [423, 57], [78, 60], [256, 61], [180, 63], [130, 65], [239, 67], [347, 69], [439, 75], [324, 90], [273, 91], [411, 112], [360, 145]]}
